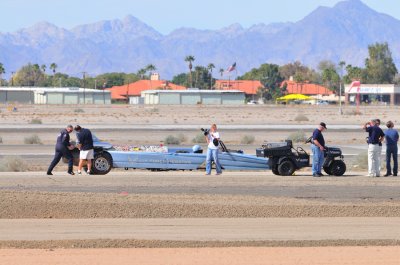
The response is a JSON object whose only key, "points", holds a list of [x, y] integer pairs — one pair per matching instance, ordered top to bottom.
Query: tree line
{"points": [[379, 69]]}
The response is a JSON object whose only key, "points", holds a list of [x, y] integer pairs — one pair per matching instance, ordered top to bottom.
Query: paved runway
{"points": [[203, 229]]}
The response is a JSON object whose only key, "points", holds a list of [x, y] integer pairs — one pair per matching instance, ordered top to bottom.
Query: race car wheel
{"points": [[102, 163], [286, 168], [337, 168], [275, 170], [327, 170]]}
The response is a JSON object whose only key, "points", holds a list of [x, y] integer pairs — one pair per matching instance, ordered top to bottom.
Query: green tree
{"points": [[190, 59], [43, 67], [53, 67], [210, 67], [150, 68], [380, 68], [2, 71], [221, 72], [299, 72], [141, 73], [354, 73], [29, 75], [269, 76], [330, 77], [181, 79]]}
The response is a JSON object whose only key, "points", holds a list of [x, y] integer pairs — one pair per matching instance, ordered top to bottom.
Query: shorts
{"points": [[86, 154]]}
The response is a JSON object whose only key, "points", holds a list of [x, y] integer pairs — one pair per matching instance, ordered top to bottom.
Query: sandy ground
{"points": [[139, 194], [205, 256]]}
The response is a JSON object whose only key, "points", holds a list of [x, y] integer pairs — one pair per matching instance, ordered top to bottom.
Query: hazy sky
{"points": [[167, 15]]}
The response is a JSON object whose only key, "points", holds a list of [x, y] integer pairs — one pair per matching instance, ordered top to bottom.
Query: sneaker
{"points": [[71, 172], [79, 172], [89, 172], [49, 173], [218, 173], [207, 174], [320, 174], [395, 174], [316, 175], [387, 175]]}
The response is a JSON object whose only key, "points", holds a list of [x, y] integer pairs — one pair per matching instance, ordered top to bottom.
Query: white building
{"points": [[385, 93], [54, 95]]}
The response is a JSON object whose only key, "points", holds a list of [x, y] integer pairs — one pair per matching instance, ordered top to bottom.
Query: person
{"points": [[375, 137], [213, 138], [391, 138], [85, 145], [317, 148], [63, 149]]}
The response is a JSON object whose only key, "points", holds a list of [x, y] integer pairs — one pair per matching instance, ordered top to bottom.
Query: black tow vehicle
{"points": [[284, 159]]}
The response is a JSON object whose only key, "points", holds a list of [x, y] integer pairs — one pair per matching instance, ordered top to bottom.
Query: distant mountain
{"points": [[339, 33]]}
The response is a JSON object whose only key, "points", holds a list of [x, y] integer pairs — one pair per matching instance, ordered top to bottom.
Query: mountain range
{"points": [[342, 32]]}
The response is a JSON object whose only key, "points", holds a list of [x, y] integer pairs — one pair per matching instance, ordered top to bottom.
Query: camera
{"points": [[205, 131]]}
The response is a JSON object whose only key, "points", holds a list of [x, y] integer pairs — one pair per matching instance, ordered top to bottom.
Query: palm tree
{"points": [[189, 59], [43, 67], [53, 67], [210, 67], [150, 68], [2, 71], [221, 71], [141, 72]]}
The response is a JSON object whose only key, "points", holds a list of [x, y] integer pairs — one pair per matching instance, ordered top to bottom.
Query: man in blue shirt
{"points": [[391, 137], [375, 138], [85, 139], [317, 148]]}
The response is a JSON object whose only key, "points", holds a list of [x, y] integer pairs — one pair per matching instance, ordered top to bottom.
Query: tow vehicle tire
{"points": [[102, 163], [286, 168], [337, 168], [275, 170], [327, 170]]}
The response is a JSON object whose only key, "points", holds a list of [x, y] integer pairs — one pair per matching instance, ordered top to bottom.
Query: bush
{"points": [[79, 111], [352, 112], [301, 117], [36, 121], [181, 137], [297, 137], [34, 139], [170, 139], [199, 139], [247, 139], [1, 140], [13, 164]]}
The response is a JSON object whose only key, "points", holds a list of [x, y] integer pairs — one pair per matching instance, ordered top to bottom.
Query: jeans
{"points": [[391, 150], [212, 154], [318, 159], [374, 160]]}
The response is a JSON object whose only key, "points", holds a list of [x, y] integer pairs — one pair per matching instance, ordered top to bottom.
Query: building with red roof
{"points": [[249, 87], [308, 89], [122, 93]]}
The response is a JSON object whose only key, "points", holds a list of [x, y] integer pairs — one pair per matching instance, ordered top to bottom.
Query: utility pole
{"points": [[341, 64], [84, 87]]}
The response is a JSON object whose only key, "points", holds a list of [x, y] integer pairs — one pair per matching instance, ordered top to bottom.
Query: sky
{"points": [[167, 15]]}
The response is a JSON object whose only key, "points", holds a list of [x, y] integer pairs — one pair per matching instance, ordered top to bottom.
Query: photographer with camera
{"points": [[212, 137], [375, 138]]}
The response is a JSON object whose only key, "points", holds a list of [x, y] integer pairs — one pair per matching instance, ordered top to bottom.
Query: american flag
{"points": [[231, 68]]}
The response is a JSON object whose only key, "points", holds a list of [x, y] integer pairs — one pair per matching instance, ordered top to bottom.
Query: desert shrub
{"points": [[154, 110], [79, 111], [352, 112], [301, 117], [36, 121], [181, 137], [297, 137], [34, 139], [170, 139], [199, 139], [247, 139], [1, 140], [13, 164]]}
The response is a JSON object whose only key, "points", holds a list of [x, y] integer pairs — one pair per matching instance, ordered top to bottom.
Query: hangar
{"points": [[370, 93]]}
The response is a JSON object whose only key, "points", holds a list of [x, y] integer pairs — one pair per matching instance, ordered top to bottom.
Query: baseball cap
{"points": [[323, 125]]}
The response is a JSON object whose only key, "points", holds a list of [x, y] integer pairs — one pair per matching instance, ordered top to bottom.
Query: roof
{"points": [[249, 87], [136, 88], [306, 88], [53, 89], [193, 91]]}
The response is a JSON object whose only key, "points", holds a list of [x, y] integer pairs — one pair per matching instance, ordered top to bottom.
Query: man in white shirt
{"points": [[212, 152]]}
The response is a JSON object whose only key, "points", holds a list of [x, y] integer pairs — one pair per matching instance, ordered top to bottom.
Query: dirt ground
{"points": [[30, 199]]}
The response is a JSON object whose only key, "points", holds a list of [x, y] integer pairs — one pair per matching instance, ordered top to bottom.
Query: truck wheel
{"points": [[102, 163], [286, 168], [337, 168], [275, 170], [327, 170]]}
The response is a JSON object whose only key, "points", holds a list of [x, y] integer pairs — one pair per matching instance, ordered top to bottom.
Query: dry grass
{"points": [[34, 139], [13, 164]]}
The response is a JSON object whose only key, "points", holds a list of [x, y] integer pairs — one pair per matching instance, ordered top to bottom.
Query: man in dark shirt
{"points": [[391, 137], [375, 138], [85, 144], [318, 147], [63, 149]]}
